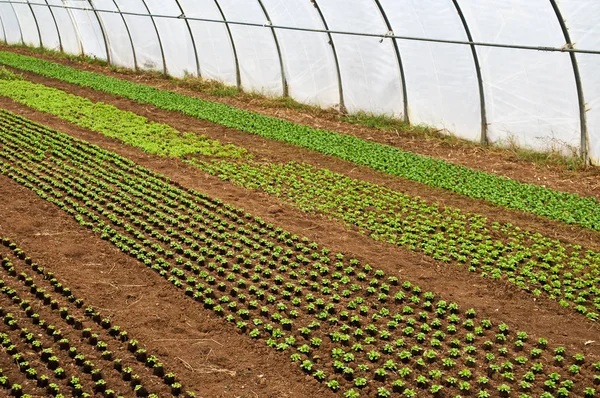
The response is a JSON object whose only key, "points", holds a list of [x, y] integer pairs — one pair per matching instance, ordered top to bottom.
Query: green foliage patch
{"points": [[6, 74], [155, 138], [566, 207], [536, 263]]}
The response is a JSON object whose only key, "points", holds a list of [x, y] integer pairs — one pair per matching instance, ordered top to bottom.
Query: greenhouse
{"points": [[513, 72], [299, 198]]}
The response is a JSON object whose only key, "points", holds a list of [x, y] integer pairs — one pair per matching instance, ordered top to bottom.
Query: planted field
{"points": [[565, 207], [535, 263], [352, 326], [59, 345]]}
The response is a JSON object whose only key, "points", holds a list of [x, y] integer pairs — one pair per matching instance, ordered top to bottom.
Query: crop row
{"points": [[155, 138], [566, 207], [535, 263], [538, 264], [345, 323], [59, 344]]}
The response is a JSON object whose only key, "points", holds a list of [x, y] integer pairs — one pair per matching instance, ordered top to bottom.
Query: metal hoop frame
{"points": [[187, 22], [569, 47], [335, 57], [238, 74], [284, 82], [482, 105], [405, 114], [584, 140]]}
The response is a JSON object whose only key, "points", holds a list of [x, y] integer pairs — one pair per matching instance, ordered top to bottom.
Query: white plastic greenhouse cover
{"points": [[512, 71]]}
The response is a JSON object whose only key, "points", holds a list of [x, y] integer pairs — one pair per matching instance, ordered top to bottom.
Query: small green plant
{"points": [[6, 74]]}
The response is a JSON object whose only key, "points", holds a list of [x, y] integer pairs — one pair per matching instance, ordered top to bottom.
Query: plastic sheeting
{"points": [[582, 19], [87, 24], [47, 25], [29, 27], [11, 28], [67, 31], [176, 40], [213, 44], [120, 45], [148, 47], [309, 59], [259, 63], [370, 71], [515, 79], [441, 80], [531, 97]]}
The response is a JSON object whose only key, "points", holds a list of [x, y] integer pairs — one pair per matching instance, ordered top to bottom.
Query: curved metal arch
{"points": [[69, 12], [18, 22], [187, 22], [37, 25], [102, 29], [60, 44], [160, 45], [133, 52], [335, 56], [399, 59], [282, 67], [238, 75], [482, 104], [582, 113]]}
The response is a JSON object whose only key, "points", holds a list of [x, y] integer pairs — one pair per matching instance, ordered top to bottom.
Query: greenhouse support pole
{"points": [[69, 11], [187, 22], [18, 23], [37, 25], [102, 29], [60, 43], [160, 44], [133, 52], [335, 56], [399, 60], [281, 66], [238, 74], [580, 97], [482, 106]]}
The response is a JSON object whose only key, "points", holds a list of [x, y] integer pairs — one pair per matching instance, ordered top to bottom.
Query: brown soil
{"points": [[275, 151], [502, 162], [494, 299], [69, 331], [206, 353]]}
